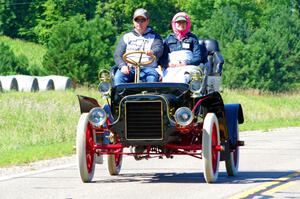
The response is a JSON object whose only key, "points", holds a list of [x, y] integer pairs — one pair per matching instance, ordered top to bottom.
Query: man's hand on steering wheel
{"points": [[149, 52]]}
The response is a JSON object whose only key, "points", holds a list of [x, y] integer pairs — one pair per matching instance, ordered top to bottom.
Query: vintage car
{"points": [[147, 120]]}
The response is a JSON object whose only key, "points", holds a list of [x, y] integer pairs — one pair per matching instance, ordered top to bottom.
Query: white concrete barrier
{"points": [[61, 82], [9, 83], [27, 83], [45, 83]]}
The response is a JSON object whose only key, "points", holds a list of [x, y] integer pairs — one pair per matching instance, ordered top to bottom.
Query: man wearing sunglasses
{"points": [[141, 38]]}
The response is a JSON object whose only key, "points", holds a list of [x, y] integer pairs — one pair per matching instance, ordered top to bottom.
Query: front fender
{"points": [[87, 103]]}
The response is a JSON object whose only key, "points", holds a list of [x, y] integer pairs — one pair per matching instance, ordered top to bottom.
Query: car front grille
{"points": [[143, 120]]}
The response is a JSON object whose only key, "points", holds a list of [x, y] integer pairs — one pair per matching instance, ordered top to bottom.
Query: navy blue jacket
{"points": [[173, 44]]}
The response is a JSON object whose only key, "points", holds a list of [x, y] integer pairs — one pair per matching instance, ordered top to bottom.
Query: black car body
{"points": [[159, 120]]}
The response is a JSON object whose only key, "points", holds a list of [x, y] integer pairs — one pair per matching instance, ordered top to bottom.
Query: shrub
{"points": [[11, 64]]}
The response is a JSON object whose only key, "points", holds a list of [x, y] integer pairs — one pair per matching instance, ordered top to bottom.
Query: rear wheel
{"points": [[84, 149], [210, 153], [115, 163], [232, 163]]}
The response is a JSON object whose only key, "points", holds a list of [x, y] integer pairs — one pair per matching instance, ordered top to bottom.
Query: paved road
{"points": [[269, 168]]}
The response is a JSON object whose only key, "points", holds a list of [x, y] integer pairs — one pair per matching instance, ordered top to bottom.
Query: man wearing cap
{"points": [[141, 38]]}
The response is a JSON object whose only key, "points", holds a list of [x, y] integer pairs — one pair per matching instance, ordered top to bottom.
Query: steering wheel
{"points": [[139, 63]]}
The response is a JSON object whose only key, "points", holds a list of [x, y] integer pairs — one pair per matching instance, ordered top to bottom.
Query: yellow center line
{"points": [[266, 186], [281, 187]]}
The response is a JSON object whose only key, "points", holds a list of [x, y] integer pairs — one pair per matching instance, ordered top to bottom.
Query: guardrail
{"points": [[26, 83]]}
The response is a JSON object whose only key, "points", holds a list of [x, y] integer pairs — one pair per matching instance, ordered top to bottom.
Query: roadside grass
{"points": [[32, 51], [263, 111], [35, 126], [27, 154]]}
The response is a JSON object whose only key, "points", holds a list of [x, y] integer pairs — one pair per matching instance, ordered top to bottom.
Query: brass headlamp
{"points": [[196, 82]]}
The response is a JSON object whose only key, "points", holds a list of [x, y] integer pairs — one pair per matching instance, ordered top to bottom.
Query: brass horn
{"points": [[104, 75]]}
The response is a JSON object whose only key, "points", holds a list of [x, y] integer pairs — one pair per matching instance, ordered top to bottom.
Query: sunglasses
{"points": [[140, 20]]}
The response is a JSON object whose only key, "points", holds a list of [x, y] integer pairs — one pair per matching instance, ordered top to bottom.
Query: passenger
{"points": [[141, 38], [181, 48]]}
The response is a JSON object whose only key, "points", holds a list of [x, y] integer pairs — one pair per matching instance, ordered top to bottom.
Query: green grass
{"points": [[32, 51], [266, 111], [42, 125], [37, 126], [27, 154]]}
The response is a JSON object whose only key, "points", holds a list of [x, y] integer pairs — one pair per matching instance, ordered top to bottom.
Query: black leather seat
{"points": [[215, 60]]}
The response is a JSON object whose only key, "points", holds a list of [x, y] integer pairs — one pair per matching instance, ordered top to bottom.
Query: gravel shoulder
{"points": [[38, 165]]}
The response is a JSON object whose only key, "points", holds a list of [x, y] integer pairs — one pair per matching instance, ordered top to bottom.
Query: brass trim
{"points": [[162, 97], [168, 110], [161, 116]]}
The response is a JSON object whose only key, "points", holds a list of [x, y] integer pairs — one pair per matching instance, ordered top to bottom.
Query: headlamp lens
{"points": [[97, 116], [184, 116]]}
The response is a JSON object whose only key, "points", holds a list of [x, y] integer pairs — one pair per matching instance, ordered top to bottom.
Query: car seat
{"points": [[215, 60], [214, 65]]}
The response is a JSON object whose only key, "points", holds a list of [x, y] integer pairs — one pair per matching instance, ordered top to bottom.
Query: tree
{"points": [[58, 11], [199, 11], [120, 13], [17, 19], [79, 48], [270, 58]]}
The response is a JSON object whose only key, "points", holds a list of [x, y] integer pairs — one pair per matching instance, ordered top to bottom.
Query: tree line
{"points": [[258, 39]]}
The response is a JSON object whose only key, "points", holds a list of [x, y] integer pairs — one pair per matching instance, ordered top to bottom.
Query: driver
{"points": [[141, 38]]}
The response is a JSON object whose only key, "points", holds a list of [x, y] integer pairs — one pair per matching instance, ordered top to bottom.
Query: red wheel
{"points": [[84, 149], [210, 153], [115, 162]]}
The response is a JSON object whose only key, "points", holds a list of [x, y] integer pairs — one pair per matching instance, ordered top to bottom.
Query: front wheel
{"points": [[84, 149], [210, 152], [232, 163]]}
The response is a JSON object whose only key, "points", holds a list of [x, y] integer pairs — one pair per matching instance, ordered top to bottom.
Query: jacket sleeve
{"points": [[157, 46], [119, 52], [196, 53]]}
